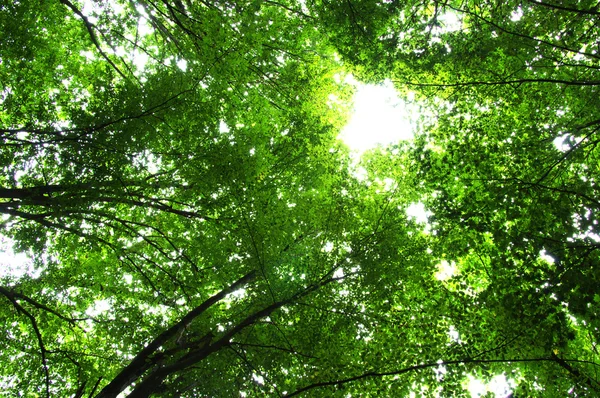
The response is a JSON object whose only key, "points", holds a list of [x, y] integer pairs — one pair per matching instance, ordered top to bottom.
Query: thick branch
{"points": [[41, 196], [142, 362], [155, 379], [593, 384]]}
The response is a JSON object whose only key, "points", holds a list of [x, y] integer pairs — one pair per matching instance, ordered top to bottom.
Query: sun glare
{"points": [[379, 117], [14, 265]]}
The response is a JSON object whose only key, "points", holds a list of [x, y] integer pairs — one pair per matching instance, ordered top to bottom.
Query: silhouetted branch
{"points": [[590, 11], [90, 28], [503, 82], [10, 294], [38, 335], [143, 361], [416, 368], [156, 377]]}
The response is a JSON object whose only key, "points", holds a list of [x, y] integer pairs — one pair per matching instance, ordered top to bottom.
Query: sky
{"points": [[379, 117]]}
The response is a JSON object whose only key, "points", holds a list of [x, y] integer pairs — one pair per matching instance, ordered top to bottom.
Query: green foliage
{"points": [[195, 228]]}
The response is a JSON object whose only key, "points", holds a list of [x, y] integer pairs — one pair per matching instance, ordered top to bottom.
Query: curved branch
{"points": [[591, 11], [90, 28], [517, 34], [505, 82], [12, 295], [38, 335], [143, 361], [416, 368], [155, 378]]}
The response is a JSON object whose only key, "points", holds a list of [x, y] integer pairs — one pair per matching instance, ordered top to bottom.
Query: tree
{"points": [[508, 162], [196, 229]]}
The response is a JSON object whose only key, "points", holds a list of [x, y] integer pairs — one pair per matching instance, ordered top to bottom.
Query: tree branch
{"points": [[591, 11], [90, 28], [505, 82], [12, 295], [38, 335], [143, 361], [415, 368], [155, 378], [593, 384]]}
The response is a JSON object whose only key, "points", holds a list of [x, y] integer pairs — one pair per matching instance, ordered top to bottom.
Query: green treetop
{"points": [[195, 228]]}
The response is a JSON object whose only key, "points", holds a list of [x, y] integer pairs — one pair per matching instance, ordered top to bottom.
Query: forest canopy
{"points": [[195, 227]]}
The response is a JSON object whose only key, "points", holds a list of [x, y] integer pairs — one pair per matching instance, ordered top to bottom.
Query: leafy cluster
{"points": [[195, 228]]}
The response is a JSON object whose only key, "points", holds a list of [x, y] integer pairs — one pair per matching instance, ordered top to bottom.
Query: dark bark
{"points": [[591, 11], [90, 28], [144, 361], [155, 379], [593, 384]]}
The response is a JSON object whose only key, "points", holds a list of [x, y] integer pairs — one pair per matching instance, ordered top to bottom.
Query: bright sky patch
{"points": [[379, 118]]}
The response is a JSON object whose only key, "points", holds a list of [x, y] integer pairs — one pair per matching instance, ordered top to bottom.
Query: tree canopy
{"points": [[195, 228]]}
